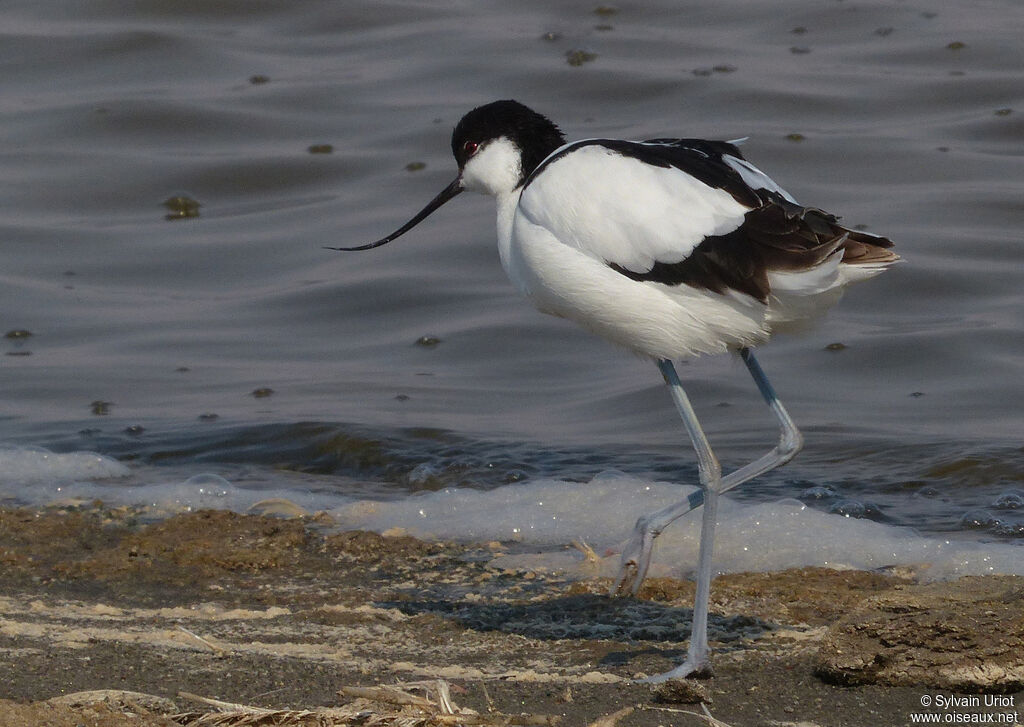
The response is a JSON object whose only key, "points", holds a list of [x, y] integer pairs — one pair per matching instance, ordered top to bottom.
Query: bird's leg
{"points": [[710, 484], [636, 557]]}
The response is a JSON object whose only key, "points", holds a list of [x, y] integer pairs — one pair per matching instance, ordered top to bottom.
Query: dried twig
{"points": [[589, 554], [204, 642], [387, 695], [225, 706], [436, 709], [706, 717], [494, 720], [610, 720], [711, 720]]}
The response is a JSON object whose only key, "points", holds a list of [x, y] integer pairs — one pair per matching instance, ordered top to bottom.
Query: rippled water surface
{"points": [[225, 338]]}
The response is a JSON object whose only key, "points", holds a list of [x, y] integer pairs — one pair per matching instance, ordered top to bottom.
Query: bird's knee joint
{"points": [[790, 445], [711, 477], [643, 525]]}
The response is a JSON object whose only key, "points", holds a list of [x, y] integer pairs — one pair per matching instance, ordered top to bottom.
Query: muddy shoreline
{"points": [[284, 612]]}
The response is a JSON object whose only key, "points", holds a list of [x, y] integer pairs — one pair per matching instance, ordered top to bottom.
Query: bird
{"points": [[670, 248]]}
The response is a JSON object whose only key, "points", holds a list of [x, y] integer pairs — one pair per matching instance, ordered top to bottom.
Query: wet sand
{"points": [[284, 613]]}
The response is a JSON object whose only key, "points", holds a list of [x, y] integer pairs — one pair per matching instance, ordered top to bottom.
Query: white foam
{"points": [[32, 465], [149, 489], [202, 491], [548, 514], [750, 537]]}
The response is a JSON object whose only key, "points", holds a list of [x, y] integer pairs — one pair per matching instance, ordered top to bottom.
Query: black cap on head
{"points": [[534, 134]]}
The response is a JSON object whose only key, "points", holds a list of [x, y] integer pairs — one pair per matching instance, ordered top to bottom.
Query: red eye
{"points": [[471, 147]]}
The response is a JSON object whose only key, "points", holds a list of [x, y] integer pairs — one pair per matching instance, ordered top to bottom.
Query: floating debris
{"points": [[605, 11], [551, 36], [956, 45], [799, 50], [578, 57], [720, 68], [258, 79], [1004, 112], [795, 137], [320, 149], [415, 166], [181, 207], [18, 336], [428, 341], [837, 346], [262, 393], [100, 408], [209, 417], [134, 430]]}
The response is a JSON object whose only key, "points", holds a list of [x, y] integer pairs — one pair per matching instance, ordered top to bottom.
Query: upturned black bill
{"points": [[450, 191]]}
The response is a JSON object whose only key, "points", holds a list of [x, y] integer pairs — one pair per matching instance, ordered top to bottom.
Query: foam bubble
{"points": [[31, 465], [202, 491], [157, 498]]}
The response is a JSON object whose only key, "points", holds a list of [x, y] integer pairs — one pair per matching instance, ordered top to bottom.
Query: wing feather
{"points": [[624, 210], [686, 212]]}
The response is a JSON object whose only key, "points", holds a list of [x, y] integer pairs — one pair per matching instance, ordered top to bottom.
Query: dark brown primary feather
{"points": [[864, 249]]}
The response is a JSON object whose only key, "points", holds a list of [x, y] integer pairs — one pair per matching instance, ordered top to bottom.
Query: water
{"points": [[149, 335]]}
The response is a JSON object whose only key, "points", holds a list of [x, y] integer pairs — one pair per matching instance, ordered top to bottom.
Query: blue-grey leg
{"points": [[636, 557]]}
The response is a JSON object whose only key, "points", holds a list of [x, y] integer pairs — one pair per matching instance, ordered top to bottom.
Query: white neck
{"points": [[507, 202]]}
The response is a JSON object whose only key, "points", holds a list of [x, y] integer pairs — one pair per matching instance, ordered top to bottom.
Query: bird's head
{"points": [[497, 146]]}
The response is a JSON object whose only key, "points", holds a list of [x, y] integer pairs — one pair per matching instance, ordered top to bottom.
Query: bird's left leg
{"points": [[710, 485], [636, 556]]}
